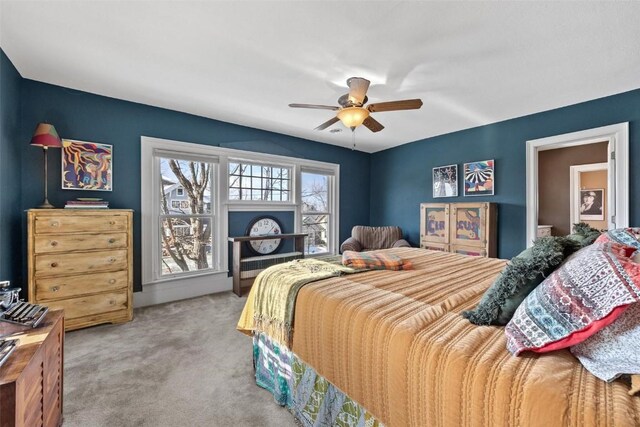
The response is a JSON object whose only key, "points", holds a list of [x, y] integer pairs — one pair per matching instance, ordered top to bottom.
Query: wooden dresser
{"points": [[464, 228], [81, 261], [31, 379]]}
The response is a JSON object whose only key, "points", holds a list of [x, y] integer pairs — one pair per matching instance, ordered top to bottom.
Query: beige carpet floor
{"points": [[177, 364]]}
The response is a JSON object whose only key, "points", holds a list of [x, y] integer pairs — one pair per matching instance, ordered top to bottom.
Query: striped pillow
{"points": [[374, 261]]}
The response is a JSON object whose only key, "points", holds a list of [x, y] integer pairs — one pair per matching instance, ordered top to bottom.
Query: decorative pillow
{"points": [[584, 234], [624, 236], [375, 261], [518, 279], [577, 300], [615, 350]]}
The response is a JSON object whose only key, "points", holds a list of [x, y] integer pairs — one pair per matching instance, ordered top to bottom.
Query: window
{"points": [[259, 182], [316, 211], [186, 237]]}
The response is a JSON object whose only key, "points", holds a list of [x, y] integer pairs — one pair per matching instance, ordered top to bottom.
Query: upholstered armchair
{"points": [[365, 238]]}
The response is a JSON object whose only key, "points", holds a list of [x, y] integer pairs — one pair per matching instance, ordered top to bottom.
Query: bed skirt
{"points": [[312, 400]]}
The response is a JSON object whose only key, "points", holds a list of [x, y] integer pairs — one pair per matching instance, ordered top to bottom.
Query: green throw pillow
{"points": [[523, 273]]}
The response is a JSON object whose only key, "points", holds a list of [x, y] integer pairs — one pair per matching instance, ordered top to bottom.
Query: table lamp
{"points": [[45, 136]]}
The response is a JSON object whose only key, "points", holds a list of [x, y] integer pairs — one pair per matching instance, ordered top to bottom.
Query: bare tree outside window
{"points": [[259, 182], [315, 212], [185, 225]]}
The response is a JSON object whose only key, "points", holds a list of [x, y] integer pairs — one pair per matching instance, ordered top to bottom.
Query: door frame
{"points": [[617, 135], [574, 196]]}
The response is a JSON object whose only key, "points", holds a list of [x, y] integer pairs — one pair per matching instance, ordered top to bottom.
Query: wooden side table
{"points": [[31, 379]]}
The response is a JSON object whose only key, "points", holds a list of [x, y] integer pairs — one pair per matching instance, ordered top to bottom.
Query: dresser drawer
{"points": [[80, 223], [78, 242], [80, 262], [48, 288], [91, 305]]}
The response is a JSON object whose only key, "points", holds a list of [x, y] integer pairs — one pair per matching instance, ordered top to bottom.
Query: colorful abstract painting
{"points": [[86, 166], [479, 178]]}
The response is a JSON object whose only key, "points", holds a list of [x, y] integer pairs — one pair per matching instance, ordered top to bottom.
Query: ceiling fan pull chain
{"points": [[353, 138]]}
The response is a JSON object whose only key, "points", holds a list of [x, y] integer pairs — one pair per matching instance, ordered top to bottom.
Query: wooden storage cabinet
{"points": [[464, 228], [81, 261], [31, 380]]}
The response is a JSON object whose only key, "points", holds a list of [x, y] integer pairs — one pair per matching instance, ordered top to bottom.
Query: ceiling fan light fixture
{"points": [[352, 117]]}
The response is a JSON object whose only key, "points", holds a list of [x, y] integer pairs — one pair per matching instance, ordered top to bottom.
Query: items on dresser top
{"points": [[87, 203], [81, 261]]}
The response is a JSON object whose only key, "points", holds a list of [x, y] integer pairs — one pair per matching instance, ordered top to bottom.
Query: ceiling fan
{"points": [[352, 111]]}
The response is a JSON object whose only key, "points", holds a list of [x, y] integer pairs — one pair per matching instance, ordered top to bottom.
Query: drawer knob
{"points": [[55, 223], [112, 223], [112, 240], [54, 243], [112, 260], [54, 264], [112, 281], [55, 288], [112, 302]]}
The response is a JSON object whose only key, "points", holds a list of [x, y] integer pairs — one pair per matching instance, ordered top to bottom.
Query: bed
{"points": [[393, 348]]}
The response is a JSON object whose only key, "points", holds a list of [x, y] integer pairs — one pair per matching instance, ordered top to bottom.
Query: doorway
{"points": [[614, 141]]}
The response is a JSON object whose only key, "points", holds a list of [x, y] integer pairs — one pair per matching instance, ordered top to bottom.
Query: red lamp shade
{"points": [[46, 136]]}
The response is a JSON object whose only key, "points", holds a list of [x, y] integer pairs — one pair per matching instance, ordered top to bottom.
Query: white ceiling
{"points": [[472, 63]]}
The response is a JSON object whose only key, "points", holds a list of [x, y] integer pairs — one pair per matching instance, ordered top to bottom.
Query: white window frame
{"points": [[268, 164], [179, 191], [331, 196], [157, 291]]}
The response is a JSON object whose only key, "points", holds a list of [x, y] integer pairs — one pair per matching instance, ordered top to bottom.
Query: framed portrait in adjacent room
{"points": [[445, 181], [592, 204]]}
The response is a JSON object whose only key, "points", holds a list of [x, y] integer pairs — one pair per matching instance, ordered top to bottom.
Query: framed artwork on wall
{"points": [[86, 166], [479, 178], [445, 181], [592, 204]]}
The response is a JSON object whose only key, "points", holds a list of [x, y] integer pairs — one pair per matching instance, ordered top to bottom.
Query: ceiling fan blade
{"points": [[358, 89], [407, 104], [315, 106], [327, 123], [372, 124]]}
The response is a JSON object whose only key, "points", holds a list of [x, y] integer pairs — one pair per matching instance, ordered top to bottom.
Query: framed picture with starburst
{"points": [[86, 166], [479, 178]]}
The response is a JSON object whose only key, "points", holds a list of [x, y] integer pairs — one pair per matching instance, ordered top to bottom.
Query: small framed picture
{"points": [[86, 166], [479, 178], [445, 181], [592, 204]]}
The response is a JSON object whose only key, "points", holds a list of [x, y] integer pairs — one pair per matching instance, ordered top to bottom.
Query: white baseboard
{"points": [[175, 290]]}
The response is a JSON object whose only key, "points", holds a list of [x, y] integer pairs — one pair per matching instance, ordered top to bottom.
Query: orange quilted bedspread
{"points": [[396, 344]]}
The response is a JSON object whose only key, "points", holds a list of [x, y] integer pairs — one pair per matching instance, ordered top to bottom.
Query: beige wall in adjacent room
{"points": [[595, 180], [554, 182]]}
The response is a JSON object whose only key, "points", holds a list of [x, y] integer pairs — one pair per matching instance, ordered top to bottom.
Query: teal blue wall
{"points": [[88, 117], [401, 176], [11, 251]]}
